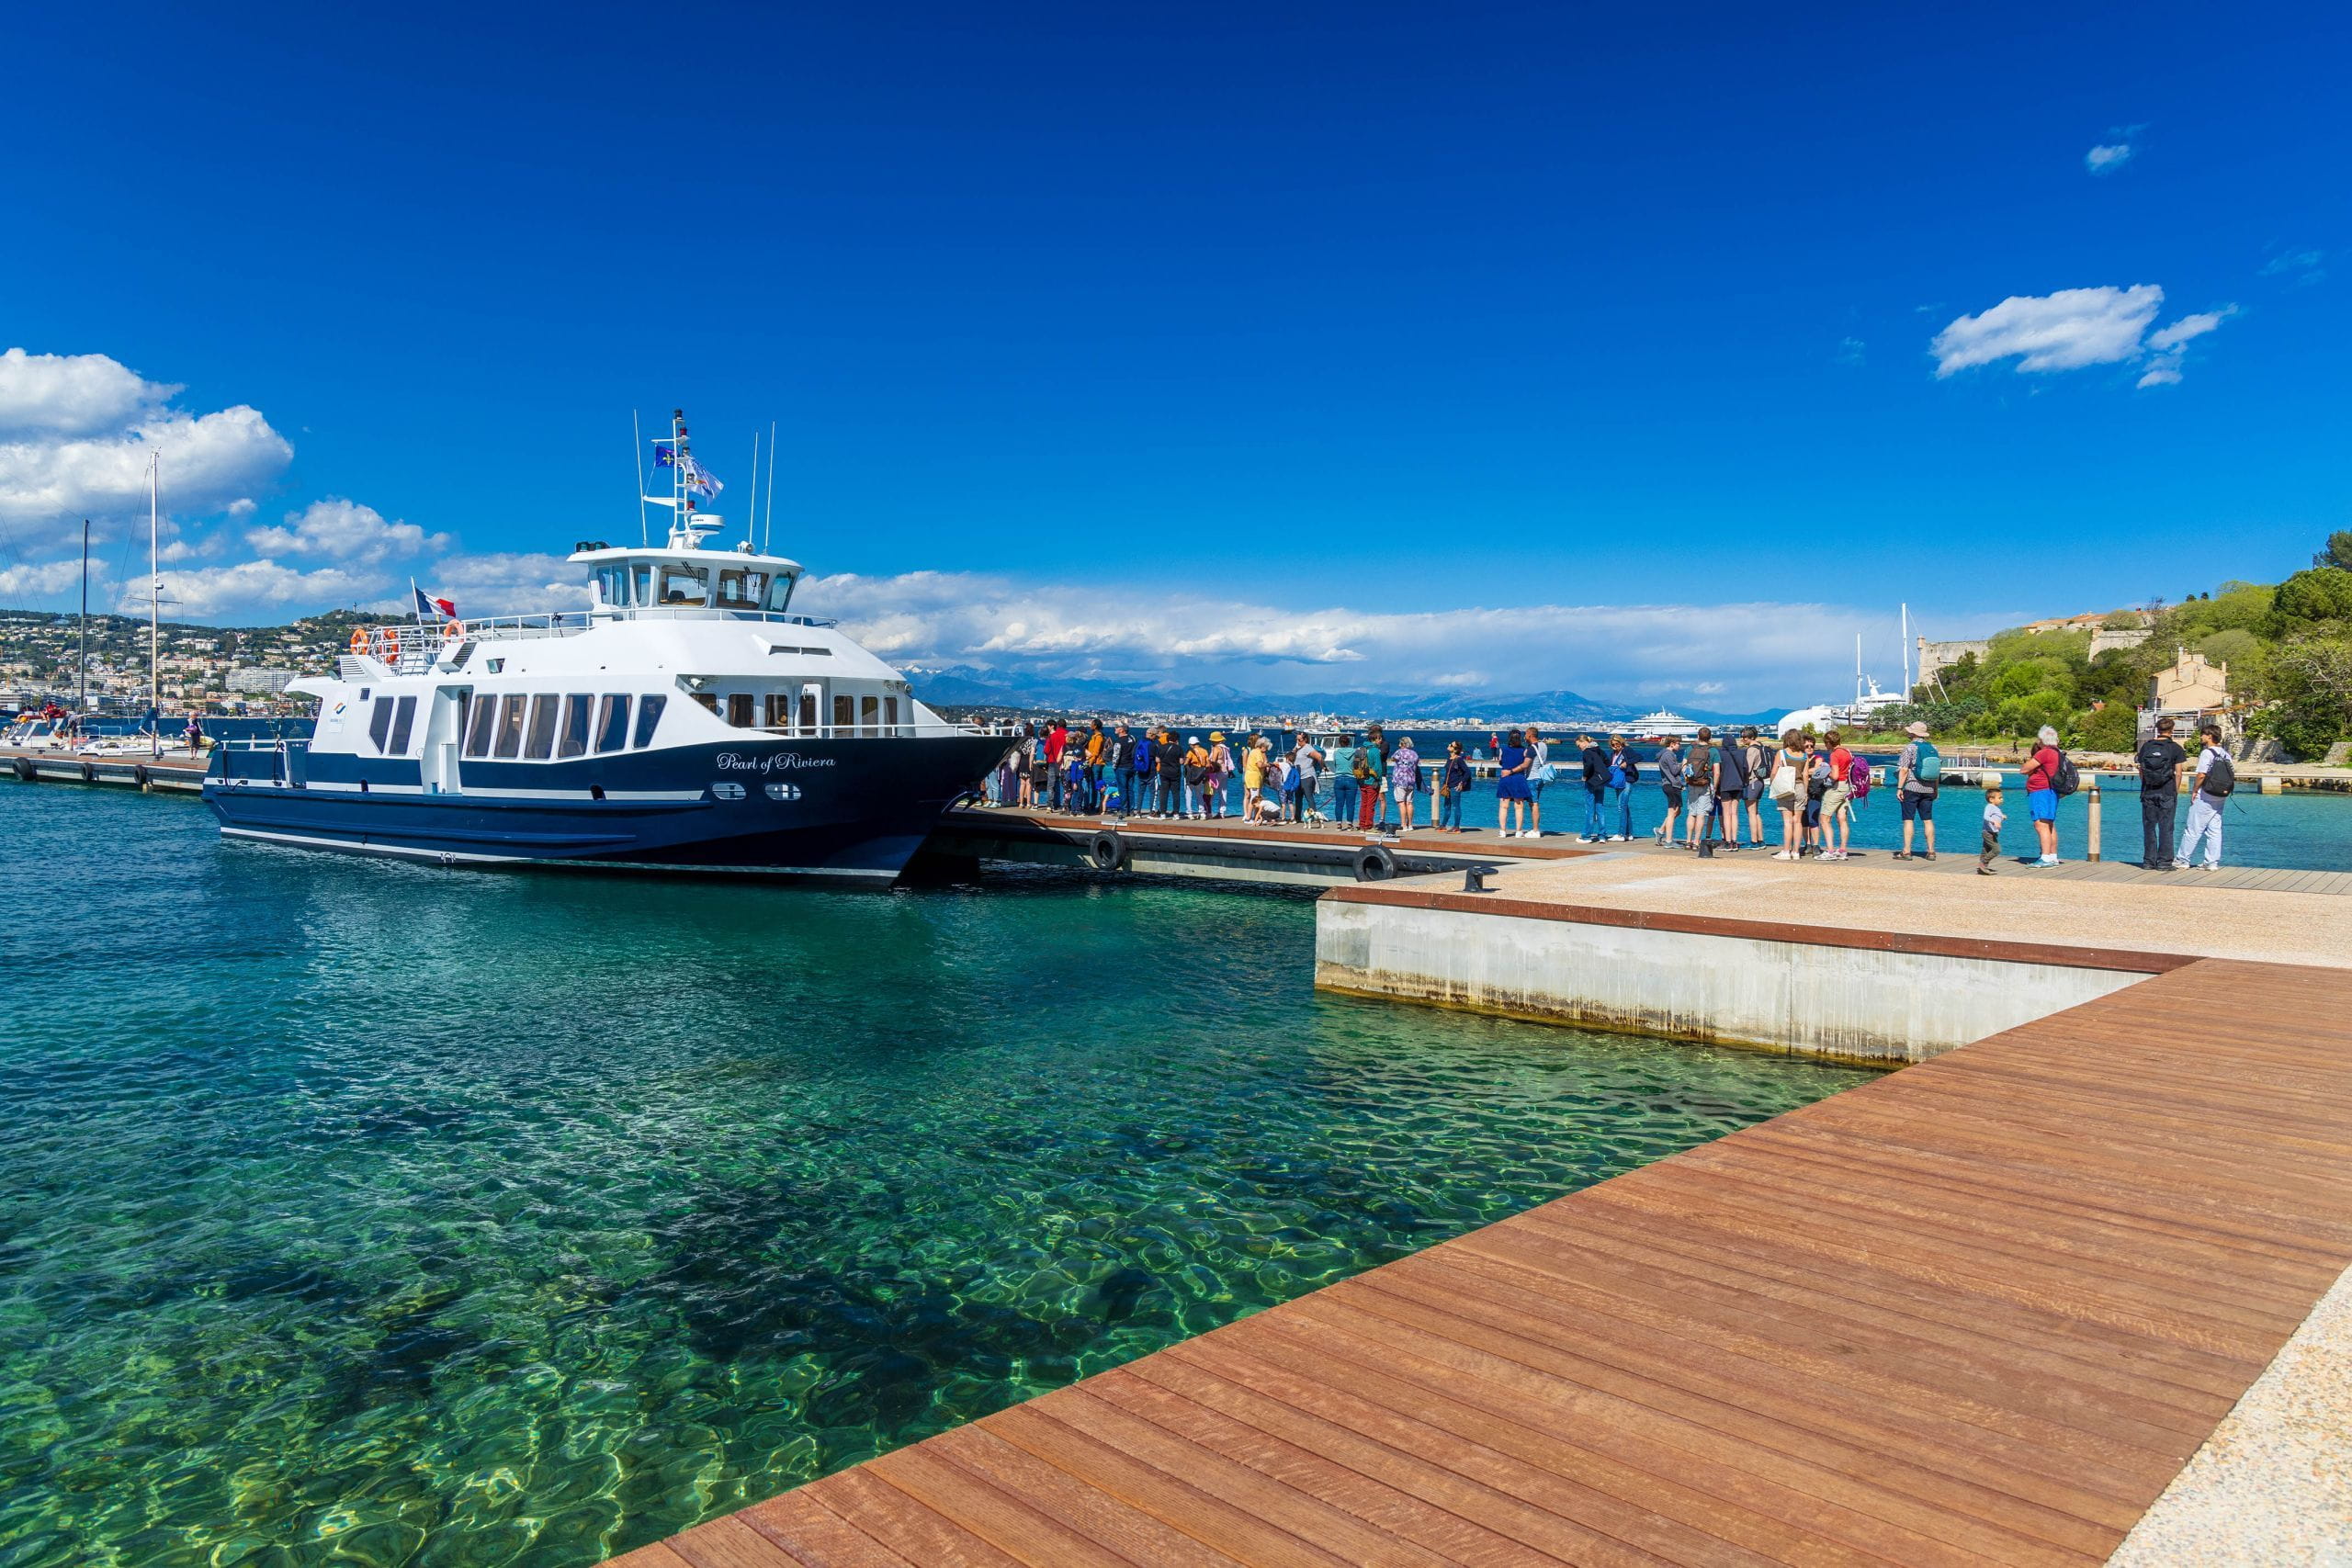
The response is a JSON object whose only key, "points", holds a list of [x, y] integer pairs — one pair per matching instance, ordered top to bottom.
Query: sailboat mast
{"points": [[155, 607], [1906, 653], [82, 671]]}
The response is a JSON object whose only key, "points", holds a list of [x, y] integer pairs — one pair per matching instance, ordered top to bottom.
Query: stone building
{"points": [[2194, 691]]}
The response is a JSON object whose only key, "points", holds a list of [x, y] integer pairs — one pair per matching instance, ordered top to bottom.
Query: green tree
{"points": [[2337, 552], [2321, 593], [2311, 684], [2111, 729]]}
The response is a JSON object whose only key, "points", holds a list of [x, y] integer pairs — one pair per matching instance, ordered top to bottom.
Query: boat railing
{"points": [[411, 649], [277, 759]]}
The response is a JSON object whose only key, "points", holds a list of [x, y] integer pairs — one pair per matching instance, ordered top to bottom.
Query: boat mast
{"points": [[154, 609], [1905, 651], [82, 673]]}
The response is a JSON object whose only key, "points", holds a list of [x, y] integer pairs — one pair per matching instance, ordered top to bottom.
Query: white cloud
{"points": [[2105, 160], [2294, 264], [2193, 325], [2073, 328], [2065, 330], [1850, 351], [73, 394], [75, 431], [345, 531], [31, 581], [506, 583], [215, 593], [1731, 655]]}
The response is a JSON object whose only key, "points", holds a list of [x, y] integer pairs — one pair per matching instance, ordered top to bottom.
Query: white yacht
{"points": [[685, 720]]}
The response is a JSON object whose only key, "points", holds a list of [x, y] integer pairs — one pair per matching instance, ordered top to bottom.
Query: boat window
{"points": [[641, 583], [684, 586], [740, 588], [779, 592], [708, 700], [739, 709], [869, 709], [779, 710], [809, 710], [649, 714], [891, 715], [844, 716], [404, 719], [380, 723], [510, 724], [612, 724], [485, 725], [573, 736], [540, 739]]}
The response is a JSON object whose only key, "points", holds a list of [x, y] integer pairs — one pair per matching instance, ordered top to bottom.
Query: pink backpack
{"points": [[1858, 773]]}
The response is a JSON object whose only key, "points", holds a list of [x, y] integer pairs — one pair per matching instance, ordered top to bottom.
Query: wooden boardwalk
{"points": [[1980, 1311]]}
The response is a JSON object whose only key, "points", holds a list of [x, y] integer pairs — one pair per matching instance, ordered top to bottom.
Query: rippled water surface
{"points": [[360, 1212]]}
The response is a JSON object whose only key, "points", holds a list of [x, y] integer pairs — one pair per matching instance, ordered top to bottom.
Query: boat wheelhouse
{"points": [[685, 719]]}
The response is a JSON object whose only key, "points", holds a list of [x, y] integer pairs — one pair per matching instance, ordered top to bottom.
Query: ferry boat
{"points": [[686, 720]]}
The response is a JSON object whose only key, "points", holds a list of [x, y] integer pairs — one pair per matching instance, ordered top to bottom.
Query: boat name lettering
{"points": [[774, 762]]}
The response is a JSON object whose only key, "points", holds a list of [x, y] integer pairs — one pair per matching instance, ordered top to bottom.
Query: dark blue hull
{"points": [[842, 810]]}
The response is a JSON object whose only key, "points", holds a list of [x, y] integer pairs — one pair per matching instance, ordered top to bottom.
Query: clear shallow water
{"points": [[359, 1212]]}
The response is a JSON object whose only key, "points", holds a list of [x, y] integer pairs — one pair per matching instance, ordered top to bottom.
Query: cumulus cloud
{"points": [[2105, 160], [2074, 328], [75, 431], [345, 531], [30, 580], [508, 583], [249, 587], [1755, 654]]}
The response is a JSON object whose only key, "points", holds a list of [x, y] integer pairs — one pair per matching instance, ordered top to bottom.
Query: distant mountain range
{"points": [[967, 686]]}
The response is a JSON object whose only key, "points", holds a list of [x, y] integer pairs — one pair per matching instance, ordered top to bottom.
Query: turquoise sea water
{"points": [[353, 1212]]}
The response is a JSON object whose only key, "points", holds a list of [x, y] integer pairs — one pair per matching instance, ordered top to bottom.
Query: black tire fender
{"points": [[26, 771], [89, 772], [139, 774], [1107, 851], [1375, 863]]}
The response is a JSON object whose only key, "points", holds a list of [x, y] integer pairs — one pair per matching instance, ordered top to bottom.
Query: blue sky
{"points": [[1503, 346]]}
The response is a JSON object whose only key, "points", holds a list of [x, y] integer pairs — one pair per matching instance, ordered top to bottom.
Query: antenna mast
{"points": [[637, 442], [752, 524], [767, 545], [1906, 653]]}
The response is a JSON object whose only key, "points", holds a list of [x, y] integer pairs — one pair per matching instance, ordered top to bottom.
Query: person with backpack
{"points": [[1756, 758], [2159, 758], [1123, 768], [1790, 769], [2042, 769], [1624, 771], [1539, 774], [1918, 774], [1371, 775], [1699, 775], [1671, 779], [2217, 780], [1344, 784], [1731, 787], [1596, 788], [1513, 800], [1837, 800]]}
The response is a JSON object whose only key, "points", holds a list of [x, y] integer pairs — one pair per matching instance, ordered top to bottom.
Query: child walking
{"points": [[1991, 849]]}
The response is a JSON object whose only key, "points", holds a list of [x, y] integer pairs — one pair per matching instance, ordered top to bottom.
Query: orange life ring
{"points": [[453, 632], [360, 639]]}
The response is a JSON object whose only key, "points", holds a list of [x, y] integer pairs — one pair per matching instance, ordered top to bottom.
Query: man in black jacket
{"points": [[2160, 758], [1596, 785]]}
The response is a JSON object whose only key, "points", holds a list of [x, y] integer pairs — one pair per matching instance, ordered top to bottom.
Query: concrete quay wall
{"points": [[1885, 1003]]}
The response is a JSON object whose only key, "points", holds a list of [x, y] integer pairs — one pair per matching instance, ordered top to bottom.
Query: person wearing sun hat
{"points": [[1220, 770], [1917, 772]]}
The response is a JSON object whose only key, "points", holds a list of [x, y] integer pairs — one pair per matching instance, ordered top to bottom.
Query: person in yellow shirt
{"points": [[1253, 777]]}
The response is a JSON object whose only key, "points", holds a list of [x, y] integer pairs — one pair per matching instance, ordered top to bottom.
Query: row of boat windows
{"points": [[633, 583], [783, 710], [535, 728]]}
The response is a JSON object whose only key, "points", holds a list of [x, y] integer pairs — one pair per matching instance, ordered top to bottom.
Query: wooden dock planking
{"points": [[1978, 1311]]}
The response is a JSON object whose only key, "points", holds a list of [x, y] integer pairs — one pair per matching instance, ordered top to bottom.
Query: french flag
{"points": [[427, 604]]}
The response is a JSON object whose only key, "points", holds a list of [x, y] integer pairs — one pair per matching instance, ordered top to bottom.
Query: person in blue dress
{"points": [[1513, 798]]}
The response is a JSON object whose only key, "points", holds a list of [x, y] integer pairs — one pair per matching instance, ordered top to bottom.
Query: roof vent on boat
{"points": [[589, 545]]}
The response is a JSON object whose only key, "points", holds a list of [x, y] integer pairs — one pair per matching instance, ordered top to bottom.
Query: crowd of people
{"points": [[1717, 790]]}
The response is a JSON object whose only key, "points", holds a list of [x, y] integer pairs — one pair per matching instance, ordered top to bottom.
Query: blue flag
{"points": [[664, 458]]}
